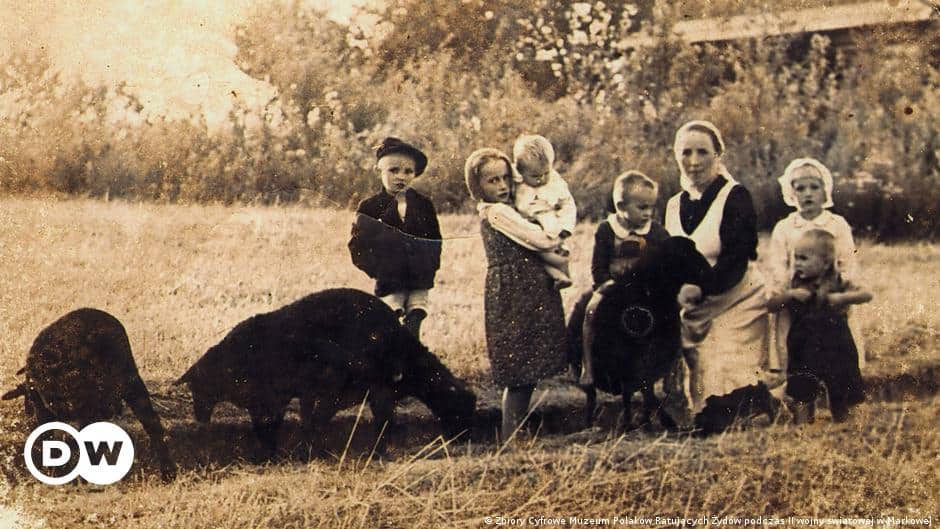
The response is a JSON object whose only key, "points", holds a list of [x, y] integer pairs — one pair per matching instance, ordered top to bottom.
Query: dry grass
{"points": [[179, 277]]}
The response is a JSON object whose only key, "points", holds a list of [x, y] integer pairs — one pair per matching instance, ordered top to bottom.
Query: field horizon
{"points": [[180, 276]]}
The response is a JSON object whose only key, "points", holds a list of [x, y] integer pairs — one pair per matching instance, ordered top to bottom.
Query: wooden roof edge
{"points": [[817, 19]]}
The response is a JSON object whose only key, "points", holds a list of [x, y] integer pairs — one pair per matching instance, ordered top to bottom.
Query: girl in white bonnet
{"points": [[807, 185]]}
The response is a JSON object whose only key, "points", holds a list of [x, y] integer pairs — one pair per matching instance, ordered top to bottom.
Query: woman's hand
{"points": [[689, 295]]}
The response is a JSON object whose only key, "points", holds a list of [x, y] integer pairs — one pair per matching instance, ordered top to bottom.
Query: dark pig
{"points": [[636, 327], [331, 349], [80, 370]]}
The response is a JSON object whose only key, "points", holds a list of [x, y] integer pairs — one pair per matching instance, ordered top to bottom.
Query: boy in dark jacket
{"points": [[396, 238], [619, 242]]}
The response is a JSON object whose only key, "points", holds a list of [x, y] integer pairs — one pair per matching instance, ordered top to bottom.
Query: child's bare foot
{"points": [[587, 379], [803, 413]]}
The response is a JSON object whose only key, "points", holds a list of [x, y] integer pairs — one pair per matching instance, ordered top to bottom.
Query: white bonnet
{"points": [[698, 124], [786, 181]]}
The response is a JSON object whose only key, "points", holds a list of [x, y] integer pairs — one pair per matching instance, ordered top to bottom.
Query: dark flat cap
{"points": [[392, 145]]}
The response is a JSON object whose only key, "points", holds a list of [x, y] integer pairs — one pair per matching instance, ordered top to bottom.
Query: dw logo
{"points": [[105, 453]]}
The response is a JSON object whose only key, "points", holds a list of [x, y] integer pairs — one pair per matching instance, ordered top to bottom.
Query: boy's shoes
{"points": [[561, 284]]}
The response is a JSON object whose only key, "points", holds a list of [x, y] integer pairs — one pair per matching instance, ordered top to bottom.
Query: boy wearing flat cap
{"points": [[396, 238]]}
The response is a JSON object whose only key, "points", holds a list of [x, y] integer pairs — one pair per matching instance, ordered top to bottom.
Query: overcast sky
{"points": [[177, 56]]}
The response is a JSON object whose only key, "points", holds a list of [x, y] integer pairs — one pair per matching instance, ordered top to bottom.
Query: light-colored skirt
{"points": [[731, 333]]}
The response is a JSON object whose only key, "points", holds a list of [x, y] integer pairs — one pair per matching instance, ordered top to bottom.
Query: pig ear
{"points": [[18, 391]]}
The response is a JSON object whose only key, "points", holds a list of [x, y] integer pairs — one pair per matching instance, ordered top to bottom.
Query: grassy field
{"points": [[179, 277]]}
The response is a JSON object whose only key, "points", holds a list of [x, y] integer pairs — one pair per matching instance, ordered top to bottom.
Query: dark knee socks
{"points": [[412, 321]]}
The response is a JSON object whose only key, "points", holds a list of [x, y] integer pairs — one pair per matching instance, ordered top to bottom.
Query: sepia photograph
{"points": [[469, 263]]}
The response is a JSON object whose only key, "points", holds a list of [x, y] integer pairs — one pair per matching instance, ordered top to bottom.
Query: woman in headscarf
{"points": [[724, 320]]}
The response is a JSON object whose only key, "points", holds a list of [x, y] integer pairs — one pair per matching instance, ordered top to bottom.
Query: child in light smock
{"points": [[807, 185], [542, 196]]}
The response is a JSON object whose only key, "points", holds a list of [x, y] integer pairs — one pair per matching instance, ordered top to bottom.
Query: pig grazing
{"points": [[331, 349], [80, 370]]}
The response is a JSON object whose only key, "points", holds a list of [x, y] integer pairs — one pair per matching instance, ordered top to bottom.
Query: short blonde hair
{"points": [[532, 147], [628, 181], [821, 240]]}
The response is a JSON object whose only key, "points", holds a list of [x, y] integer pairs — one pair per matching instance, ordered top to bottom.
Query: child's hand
{"points": [[540, 205], [618, 269], [606, 286], [800, 294], [689, 295], [852, 296]]}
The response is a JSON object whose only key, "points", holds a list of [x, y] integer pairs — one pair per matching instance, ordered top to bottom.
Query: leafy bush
{"points": [[453, 77]]}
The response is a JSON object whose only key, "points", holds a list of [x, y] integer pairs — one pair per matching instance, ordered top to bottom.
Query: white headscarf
{"points": [[692, 126], [472, 167], [786, 181]]}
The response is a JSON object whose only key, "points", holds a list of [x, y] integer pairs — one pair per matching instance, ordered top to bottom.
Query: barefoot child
{"points": [[806, 184], [542, 196], [396, 238], [618, 244], [821, 351]]}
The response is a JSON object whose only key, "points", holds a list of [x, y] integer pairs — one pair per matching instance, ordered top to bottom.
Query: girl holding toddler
{"points": [[807, 185], [814, 274], [523, 314]]}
